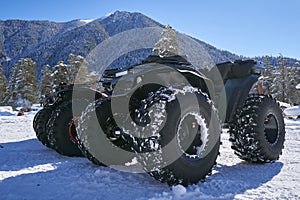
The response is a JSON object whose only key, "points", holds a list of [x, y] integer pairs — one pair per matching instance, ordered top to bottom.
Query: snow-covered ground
{"points": [[293, 111], [28, 170]]}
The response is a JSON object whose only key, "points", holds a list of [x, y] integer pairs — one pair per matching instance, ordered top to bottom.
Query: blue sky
{"points": [[250, 28]]}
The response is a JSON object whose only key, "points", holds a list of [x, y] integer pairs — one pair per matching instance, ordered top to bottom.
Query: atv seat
{"points": [[229, 70]]}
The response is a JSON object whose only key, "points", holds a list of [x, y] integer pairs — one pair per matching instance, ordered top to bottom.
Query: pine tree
{"points": [[168, 44], [75, 63], [297, 67], [79, 73], [60, 74], [268, 75], [85, 78], [90, 80], [93, 80], [293, 80], [285, 81], [45, 82], [3, 85], [279, 86], [22, 87], [10, 96]]}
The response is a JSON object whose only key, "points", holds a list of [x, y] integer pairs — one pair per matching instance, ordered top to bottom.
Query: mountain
{"points": [[49, 42]]}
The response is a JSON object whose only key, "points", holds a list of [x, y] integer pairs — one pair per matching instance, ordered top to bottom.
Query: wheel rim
{"points": [[271, 128], [72, 130], [192, 135]]}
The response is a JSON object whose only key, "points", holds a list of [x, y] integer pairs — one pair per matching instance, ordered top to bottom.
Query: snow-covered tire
{"points": [[36, 119], [39, 124], [58, 128], [257, 132], [92, 134], [189, 141]]}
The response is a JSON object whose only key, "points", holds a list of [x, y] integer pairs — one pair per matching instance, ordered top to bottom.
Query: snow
{"points": [[108, 14], [86, 20], [284, 105], [6, 111], [292, 111], [29, 170], [178, 190]]}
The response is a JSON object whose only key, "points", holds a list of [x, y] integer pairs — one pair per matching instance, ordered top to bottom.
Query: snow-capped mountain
{"points": [[49, 42]]}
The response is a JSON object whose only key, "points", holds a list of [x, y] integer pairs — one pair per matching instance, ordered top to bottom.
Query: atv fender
{"points": [[158, 74], [237, 91], [78, 92]]}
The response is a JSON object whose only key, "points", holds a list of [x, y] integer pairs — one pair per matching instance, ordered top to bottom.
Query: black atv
{"points": [[167, 115]]}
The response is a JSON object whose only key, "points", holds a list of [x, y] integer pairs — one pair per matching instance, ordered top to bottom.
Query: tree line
{"points": [[280, 80], [24, 89]]}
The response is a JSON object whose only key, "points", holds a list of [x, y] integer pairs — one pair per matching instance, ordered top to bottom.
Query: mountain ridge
{"points": [[48, 42]]}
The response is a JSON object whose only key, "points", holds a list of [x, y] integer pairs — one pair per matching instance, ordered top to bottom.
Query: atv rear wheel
{"points": [[35, 119], [39, 124], [257, 132], [61, 134], [189, 141]]}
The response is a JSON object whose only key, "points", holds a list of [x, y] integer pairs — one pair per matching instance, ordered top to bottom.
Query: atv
{"points": [[167, 115]]}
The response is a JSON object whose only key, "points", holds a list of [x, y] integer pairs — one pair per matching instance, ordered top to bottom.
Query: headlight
{"points": [[118, 74], [139, 80]]}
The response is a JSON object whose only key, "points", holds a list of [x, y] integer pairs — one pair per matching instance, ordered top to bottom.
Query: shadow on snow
{"points": [[66, 177], [79, 178], [229, 181]]}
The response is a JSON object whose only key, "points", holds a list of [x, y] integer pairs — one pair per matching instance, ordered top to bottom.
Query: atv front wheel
{"points": [[94, 128], [257, 132], [189, 142]]}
